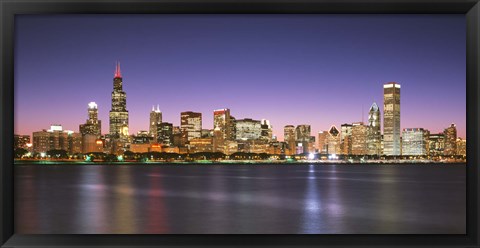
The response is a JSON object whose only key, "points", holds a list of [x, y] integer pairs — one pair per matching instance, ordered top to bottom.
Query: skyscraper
{"points": [[119, 112], [391, 119], [155, 120], [223, 121], [93, 125], [190, 125], [266, 130], [373, 131], [165, 134], [450, 134], [302, 135], [289, 138], [346, 138], [359, 138], [333, 141], [323, 142]]}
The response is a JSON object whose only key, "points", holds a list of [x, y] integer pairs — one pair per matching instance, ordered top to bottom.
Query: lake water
{"points": [[246, 199]]}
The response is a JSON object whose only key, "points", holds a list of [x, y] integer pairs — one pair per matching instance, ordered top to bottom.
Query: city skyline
{"points": [[419, 101]]}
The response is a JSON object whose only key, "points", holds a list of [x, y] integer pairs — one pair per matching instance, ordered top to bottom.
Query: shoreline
{"points": [[234, 163]]}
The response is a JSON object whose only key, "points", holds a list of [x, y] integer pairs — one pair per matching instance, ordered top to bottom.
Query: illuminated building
{"points": [[119, 112], [391, 119], [155, 120], [225, 123], [93, 125], [190, 125], [248, 129], [373, 131], [207, 133], [266, 133], [165, 134], [450, 134], [302, 136], [142, 137], [289, 138], [346, 138], [359, 138], [53, 139], [178, 139], [21, 141], [333, 141], [415, 141], [218, 142], [322, 142], [75, 143], [91, 143], [436, 144], [201, 145], [311, 145], [259, 146], [140, 147], [231, 147], [277, 147], [461, 147]]}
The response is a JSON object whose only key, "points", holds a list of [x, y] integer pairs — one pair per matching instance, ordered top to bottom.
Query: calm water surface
{"points": [[345, 199]]}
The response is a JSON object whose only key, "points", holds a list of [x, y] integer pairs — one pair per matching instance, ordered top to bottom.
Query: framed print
{"points": [[218, 123]]}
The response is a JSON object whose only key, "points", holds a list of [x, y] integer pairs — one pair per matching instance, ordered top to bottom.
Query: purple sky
{"points": [[289, 69]]}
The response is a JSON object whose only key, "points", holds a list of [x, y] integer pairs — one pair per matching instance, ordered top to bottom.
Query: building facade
{"points": [[118, 113], [391, 119], [155, 121], [225, 123], [93, 125], [190, 125], [248, 129], [373, 131], [267, 132], [165, 134], [450, 134], [302, 137], [54, 138], [289, 138], [346, 138], [359, 138], [21, 141], [333, 141], [415, 141], [322, 142], [436, 144], [461, 147]]}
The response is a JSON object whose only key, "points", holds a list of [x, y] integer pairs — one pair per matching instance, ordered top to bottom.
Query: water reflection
{"points": [[92, 199], [240, 199], [124, 212], [313, 212], [157, 218]]}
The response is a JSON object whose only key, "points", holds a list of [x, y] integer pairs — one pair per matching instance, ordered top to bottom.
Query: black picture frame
{"points": [[10, 8]]}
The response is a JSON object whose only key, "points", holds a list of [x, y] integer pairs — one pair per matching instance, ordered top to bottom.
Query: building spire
{"points": [[118, 73], [153, 108]]}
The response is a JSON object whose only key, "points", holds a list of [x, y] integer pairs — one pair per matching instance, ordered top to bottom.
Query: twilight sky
{"points": [[320, 70]]}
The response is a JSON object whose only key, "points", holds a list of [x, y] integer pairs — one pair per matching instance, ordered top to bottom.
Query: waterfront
{"points": [[160, 199]]}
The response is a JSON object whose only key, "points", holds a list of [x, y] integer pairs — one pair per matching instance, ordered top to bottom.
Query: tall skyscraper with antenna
{"points": [[119, 112], [155, 121]]}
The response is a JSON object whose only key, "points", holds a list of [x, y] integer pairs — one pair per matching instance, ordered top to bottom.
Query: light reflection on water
{"points": [[240, 199]]}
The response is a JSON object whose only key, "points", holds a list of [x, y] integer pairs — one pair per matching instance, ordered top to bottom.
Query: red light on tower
{"points": [[118, 73]]}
